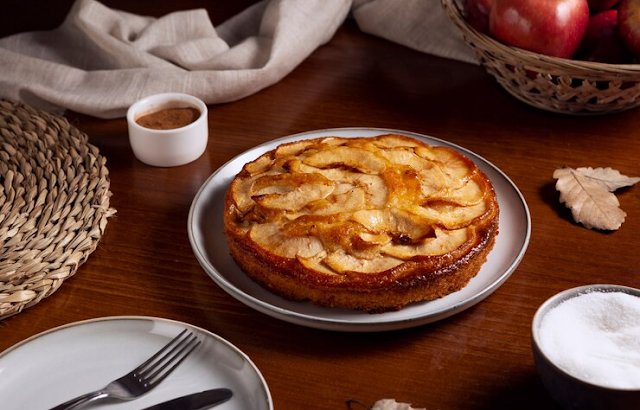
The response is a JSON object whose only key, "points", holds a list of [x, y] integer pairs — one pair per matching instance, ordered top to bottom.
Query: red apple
{"points": [[599, 5], [476, 12], [629, 23], [550, 27], [602, 41]]}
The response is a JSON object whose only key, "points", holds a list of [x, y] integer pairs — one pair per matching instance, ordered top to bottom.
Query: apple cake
{"points": [[370, 223]]}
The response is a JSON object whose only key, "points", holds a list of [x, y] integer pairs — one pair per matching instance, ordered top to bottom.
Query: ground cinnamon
{"points": [[169, 118]]}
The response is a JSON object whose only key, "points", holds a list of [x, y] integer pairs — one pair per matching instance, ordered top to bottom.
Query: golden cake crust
{"points": [[369, 223]]}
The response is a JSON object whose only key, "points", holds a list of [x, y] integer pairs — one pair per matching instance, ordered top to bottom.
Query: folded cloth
{"points": [[419, 24], [100, 60]]}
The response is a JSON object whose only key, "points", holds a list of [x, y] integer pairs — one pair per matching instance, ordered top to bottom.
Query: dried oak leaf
{"points": [[609, 178], [588, 192], [383, 404], [391, 404]]}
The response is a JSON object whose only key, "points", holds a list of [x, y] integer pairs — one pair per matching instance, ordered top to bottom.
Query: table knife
{"points": [[196, 401]]}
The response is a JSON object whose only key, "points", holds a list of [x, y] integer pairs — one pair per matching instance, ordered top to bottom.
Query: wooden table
{"points": [[478, 359]]}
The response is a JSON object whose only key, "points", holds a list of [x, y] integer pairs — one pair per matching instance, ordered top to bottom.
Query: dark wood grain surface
{"points": [[478, 359]]}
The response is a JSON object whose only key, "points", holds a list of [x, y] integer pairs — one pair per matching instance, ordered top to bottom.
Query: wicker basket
{"points": [[550, 83], [54, 204]]}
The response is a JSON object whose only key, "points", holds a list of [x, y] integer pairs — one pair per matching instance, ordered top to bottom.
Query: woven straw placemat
{"points": [[54, 204]]}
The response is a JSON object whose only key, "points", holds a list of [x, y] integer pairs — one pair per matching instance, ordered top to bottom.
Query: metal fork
{"points": [[144, 377]]}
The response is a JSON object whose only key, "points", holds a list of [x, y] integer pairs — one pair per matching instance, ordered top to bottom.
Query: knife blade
{"points": [[196, 401]]}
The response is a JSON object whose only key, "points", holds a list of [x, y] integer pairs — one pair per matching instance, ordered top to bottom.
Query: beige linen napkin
{"points": [[419, 24], [100, 60]]}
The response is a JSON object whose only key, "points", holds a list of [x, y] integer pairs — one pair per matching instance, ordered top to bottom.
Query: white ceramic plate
{"points": [[210, 247], [55, 366]]}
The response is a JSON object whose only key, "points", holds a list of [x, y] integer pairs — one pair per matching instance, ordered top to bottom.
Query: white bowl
{"points": [[168, 147], [570, 391]]}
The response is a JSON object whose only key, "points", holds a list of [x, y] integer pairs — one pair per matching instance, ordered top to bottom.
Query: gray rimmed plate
{"points": [[210, 248], [54, 366]]}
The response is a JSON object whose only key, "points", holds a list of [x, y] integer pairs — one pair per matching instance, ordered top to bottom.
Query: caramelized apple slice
{"points": [[334, 141], [394, 141], [293, 148], [400, 156], [347, 157], [259, 165], [459, 168], [455, 170], [333, 174], [286, 180], [432, 182], [404, 186], [342, 188], [375, 189], [240, 192], [469, 194], [296, 199], [349, 201], [448, 215], [374, 220], [394, 222], [269, 236], [375, 239], [444, 242], [367, 246], [342, 262], [316, 263]]}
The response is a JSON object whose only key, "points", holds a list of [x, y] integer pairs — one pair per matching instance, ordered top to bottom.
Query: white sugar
{"points": [[596, 338]]}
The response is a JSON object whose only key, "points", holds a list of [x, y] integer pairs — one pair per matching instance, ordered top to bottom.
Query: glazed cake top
{"points": [[365, 205]]}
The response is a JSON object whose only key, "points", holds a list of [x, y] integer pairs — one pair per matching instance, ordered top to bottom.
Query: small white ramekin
{"points": [[172, 147]]}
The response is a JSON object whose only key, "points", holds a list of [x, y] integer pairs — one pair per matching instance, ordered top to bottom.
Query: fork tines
{"points": [[161, 364]]}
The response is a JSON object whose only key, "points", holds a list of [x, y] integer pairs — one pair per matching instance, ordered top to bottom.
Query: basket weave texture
{"points": [[550, 83], [54, 204]]}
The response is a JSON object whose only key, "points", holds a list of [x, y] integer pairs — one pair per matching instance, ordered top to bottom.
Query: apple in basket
{"points": [[600, 5], [476, 12], [629, 22], [551, 27], [602, 42]]}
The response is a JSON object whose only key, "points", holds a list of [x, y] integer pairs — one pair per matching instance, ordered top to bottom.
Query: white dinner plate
{"points": [[210, 247], [60, 364]]}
